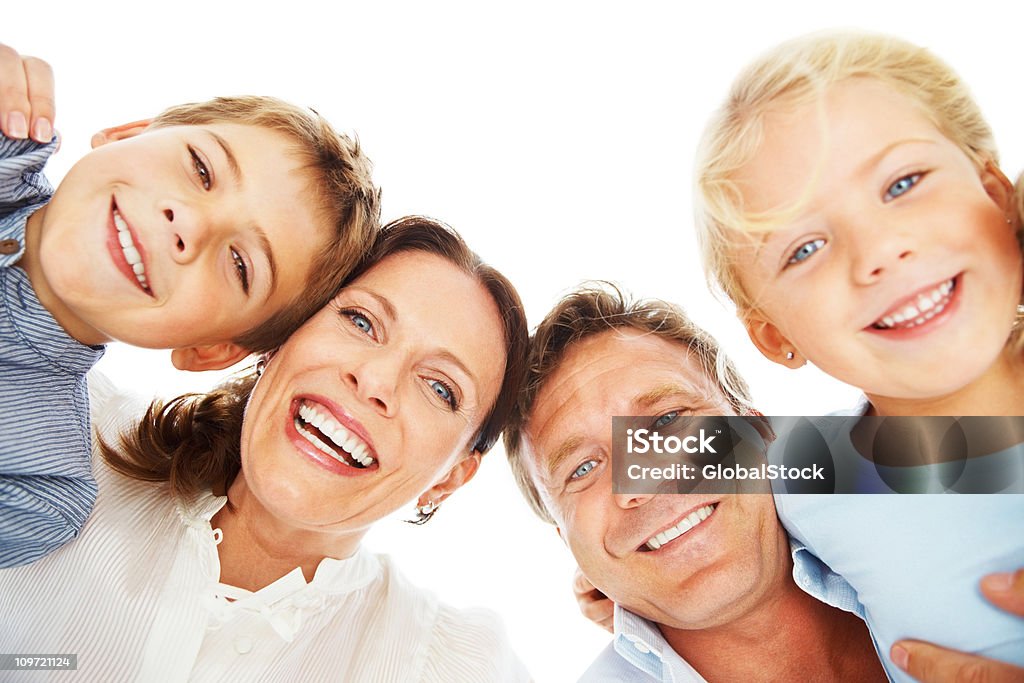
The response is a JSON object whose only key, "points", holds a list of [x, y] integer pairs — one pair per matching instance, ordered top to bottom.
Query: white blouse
{"points": [[137, 597]]}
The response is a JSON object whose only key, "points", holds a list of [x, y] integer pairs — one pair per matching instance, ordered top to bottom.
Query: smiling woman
{"points": [[244, 562]]}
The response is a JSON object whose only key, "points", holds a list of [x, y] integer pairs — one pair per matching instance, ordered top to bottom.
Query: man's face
{"points": [[734, 552]]}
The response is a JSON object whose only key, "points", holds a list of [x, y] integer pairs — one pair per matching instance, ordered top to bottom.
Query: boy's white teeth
{"points": [[131, 254], [925, 306], [342, 438], [688, 522]]}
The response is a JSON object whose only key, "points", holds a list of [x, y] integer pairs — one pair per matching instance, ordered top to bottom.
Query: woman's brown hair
{"points": [[192, 441]]}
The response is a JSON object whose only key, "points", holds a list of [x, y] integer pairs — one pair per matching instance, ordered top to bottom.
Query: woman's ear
{"points": [[122, 132], [771, 342], [459, 474]]}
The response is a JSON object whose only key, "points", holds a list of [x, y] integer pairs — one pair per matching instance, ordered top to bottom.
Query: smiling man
{"points": [[705, 584]]}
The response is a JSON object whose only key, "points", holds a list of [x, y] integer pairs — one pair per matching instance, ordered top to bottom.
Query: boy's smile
{"points": [[176, 237], [895, 268]]}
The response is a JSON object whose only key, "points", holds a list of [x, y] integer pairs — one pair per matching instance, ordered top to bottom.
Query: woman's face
{"points": [[375, 399]]}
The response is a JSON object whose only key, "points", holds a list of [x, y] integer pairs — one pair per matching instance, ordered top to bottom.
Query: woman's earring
{"points": [[261, 364], [424, 512]]}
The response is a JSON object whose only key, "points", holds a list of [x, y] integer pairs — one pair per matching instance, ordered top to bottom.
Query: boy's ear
{"points": [[122, 132], [771, 342], [209, 357]]}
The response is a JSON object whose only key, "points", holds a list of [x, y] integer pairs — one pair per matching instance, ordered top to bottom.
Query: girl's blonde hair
{"points": [[800, 71]]}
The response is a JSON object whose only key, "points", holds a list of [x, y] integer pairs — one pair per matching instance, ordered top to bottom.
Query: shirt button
{"points": [[9, 246], [243, 645]]}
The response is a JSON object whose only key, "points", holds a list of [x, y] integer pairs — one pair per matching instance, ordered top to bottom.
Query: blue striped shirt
{"points": [[46, 485]]}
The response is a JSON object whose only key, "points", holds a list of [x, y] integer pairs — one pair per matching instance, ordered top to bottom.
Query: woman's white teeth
{"points": [[131, 254], [924, 308], [332, 429], [688, 522]]}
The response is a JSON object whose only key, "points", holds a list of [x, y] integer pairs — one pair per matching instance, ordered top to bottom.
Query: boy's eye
{"points": [[202, 172], [902, 186], [805, 251], [241, 269], [445, 393], [665, 420], [584, 469]]}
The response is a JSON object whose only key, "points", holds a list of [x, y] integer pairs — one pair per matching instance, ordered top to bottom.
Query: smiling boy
{"points": [[214, 230]]}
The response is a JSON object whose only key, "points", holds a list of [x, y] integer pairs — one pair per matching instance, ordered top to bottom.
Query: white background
{"points": [[558, 138]]}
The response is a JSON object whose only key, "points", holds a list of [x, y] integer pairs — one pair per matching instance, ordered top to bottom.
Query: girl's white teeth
{"points": [[131, 254], [926, 307], [333, 430], [688, 522]]}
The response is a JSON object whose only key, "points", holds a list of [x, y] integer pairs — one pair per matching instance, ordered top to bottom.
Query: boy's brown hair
{"points": [[341, 189]]}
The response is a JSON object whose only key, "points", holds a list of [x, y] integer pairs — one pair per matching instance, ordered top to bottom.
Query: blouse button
{"points": [[243, 645]]}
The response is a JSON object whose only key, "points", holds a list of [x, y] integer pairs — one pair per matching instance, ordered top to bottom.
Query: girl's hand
{"points": [[26, 96]]}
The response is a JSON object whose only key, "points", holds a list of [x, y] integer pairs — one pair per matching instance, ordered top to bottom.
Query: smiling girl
{"points": [[849, 201]]}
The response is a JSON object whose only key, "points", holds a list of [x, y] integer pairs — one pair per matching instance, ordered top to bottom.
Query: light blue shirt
{"points": [[46, 483], [640, 654]]}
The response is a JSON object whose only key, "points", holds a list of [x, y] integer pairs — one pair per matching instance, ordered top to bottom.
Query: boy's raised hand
{"points": [[26, 96]]}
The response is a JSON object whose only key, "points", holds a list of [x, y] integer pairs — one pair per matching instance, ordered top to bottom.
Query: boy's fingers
{"points": [[39, 78], [15, 110], [1005, 591], [601, 612], [932, 664]]}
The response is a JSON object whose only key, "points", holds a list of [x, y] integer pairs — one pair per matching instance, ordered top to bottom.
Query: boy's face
{"points": [[179, 236], [900, 273]]}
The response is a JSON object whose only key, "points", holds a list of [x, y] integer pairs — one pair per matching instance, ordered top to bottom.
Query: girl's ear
{"points": [[122, 132], [1000, 189], [771, 342]]}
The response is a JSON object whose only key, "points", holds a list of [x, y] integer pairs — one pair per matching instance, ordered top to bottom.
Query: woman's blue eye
{"points": [[902, 186], [805, 251], [361, 322], [444, 392], [665, 420], [584, 469]]}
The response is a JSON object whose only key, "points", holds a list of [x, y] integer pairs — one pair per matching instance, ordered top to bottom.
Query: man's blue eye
{"points": [[902, 186], [805, 251], [665, 420], [584, 469]]}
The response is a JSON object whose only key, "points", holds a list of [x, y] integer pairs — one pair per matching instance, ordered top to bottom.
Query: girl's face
{"points": [[900, 273], [376, 399]]}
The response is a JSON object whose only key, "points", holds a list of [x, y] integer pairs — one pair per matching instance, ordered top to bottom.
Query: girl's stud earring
{"points": [[789, 355]]}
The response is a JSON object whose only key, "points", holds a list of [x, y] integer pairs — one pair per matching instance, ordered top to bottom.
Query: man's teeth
{"points": [[131, 253], [924, 308], [333, 430], [690, 521]]}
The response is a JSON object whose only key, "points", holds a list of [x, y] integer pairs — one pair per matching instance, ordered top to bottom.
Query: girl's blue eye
{"points": [[902, 186], [805, 251], [361, 322], [445, 393], [665, 420], [584, 469]]}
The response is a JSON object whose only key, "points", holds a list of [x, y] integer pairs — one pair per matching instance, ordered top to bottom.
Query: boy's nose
{"points": [[189, 232]]}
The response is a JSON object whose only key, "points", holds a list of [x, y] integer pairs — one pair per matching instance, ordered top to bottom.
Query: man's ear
{"points": [[122, 132], [999, 188], [771, 342], [209, 357], [459, 474]]}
